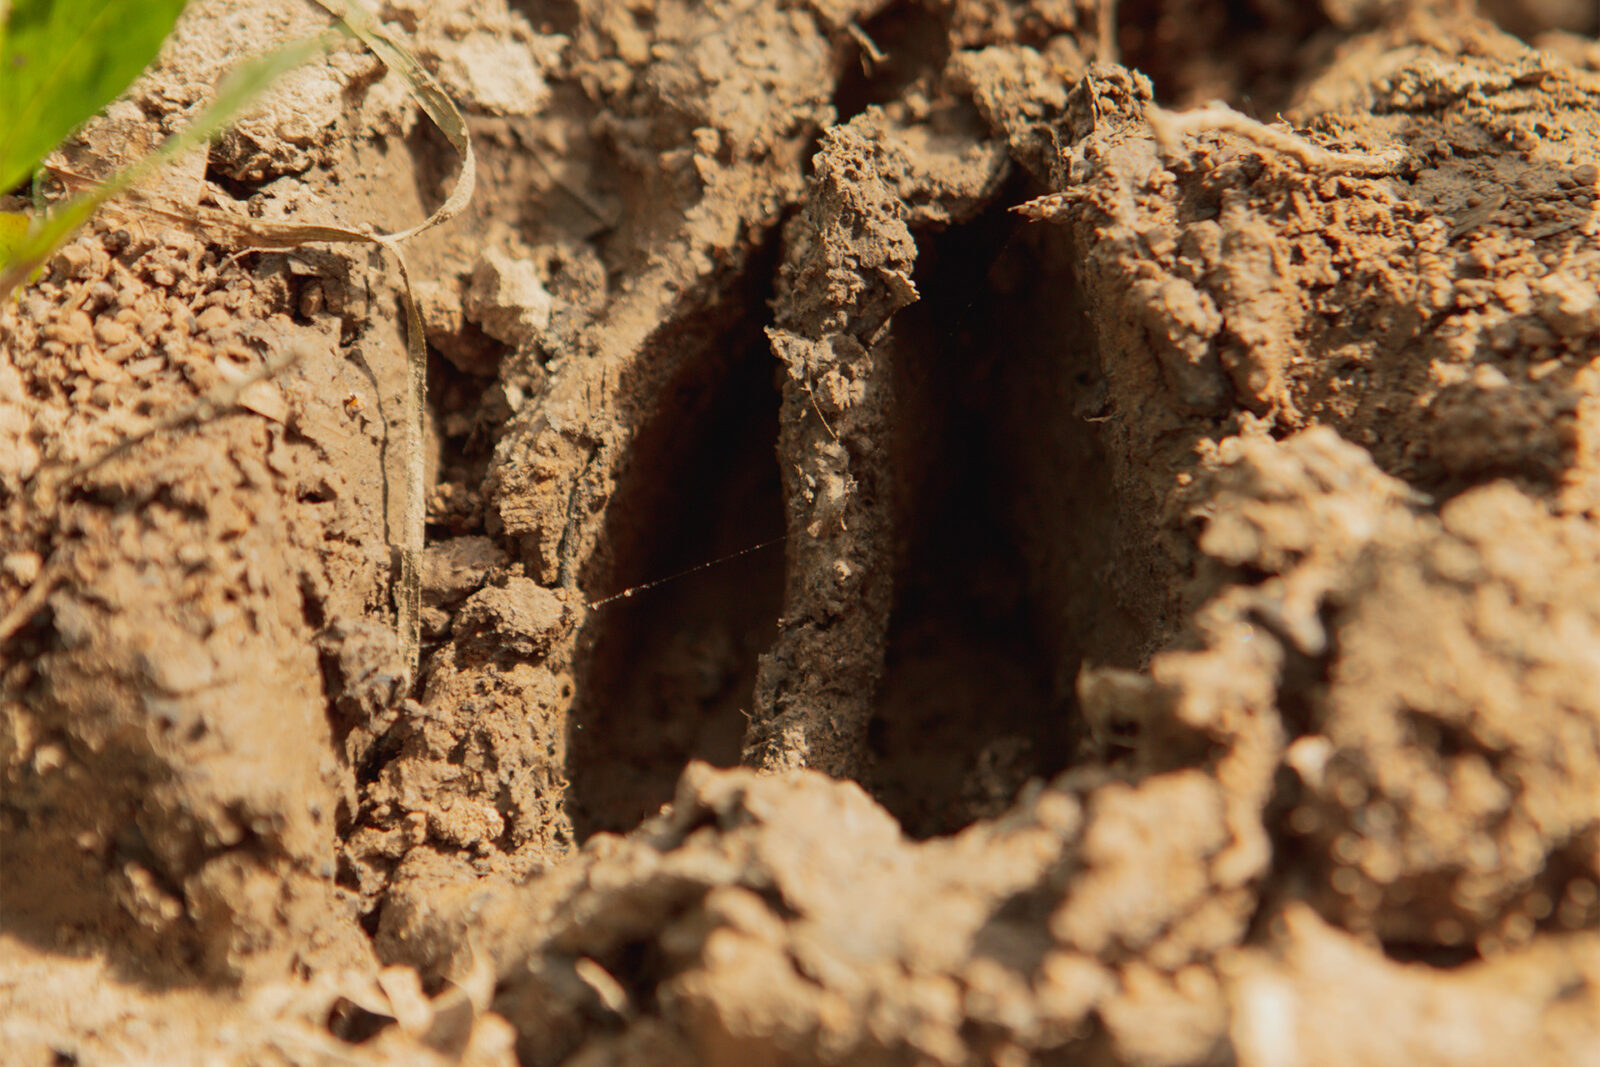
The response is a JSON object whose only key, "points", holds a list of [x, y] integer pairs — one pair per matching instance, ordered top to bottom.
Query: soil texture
{"points": [[958, 532]]}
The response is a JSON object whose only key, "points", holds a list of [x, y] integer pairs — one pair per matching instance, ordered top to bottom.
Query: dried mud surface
{"points": [[1156, 609]]}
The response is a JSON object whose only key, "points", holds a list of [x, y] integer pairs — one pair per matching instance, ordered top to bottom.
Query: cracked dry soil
{"points": [[1176, 636]]}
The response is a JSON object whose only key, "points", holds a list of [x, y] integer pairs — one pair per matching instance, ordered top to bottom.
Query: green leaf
{"points": [[63, 60], [13, 231], [27, 244], [29, 249]]}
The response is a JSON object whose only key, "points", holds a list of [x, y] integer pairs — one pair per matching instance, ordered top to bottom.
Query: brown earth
{"points": [[1154, 604]]}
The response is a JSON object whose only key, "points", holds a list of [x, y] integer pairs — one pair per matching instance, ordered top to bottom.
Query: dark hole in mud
{"points": [[548, 16], [911, 41], [1235, 50], [238, 188], [467, 410], [1009, 521], [666, 675], [1442, 957], [353, 1024]]}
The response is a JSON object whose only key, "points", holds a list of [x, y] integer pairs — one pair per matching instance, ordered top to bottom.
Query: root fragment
{"points": [[1170, 127]]}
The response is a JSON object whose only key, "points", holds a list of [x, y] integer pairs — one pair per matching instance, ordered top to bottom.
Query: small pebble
{"points": [[73, 261], [213, 318], [75, 330], [23, 567]]}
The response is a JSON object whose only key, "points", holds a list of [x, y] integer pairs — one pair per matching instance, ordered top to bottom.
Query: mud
{"points": [[942, 548]]}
